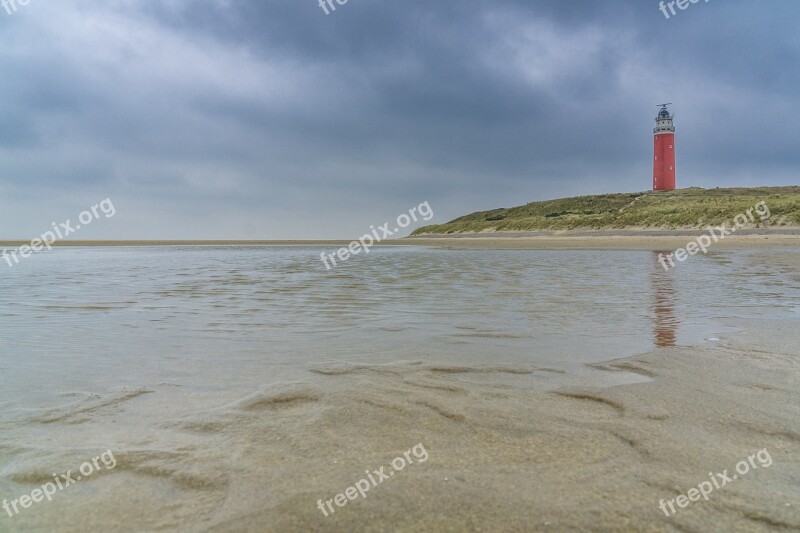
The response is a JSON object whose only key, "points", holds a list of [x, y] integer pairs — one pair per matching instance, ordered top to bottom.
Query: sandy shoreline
{"points": [[627, 239], [601, 240], [622, 242], [506, 451], [502, 455], [506, 459]]}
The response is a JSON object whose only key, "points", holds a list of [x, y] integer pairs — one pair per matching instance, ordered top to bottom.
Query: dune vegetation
{"points": [[680, 209]]}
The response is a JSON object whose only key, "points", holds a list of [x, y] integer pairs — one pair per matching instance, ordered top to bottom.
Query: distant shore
{"points": [[623, 239], [165, 242]]}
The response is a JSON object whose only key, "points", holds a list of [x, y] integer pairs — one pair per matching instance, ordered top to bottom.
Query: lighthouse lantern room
{"points": [[664, 152]]}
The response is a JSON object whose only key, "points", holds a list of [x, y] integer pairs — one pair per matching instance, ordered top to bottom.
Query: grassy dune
{"points": [[680, 209]]}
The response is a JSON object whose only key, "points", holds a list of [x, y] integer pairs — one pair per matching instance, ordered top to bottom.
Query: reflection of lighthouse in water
{"points": [[663, 306]]}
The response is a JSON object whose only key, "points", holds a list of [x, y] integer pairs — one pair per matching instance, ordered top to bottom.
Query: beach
{"points": [[614, 239], [618, 239], [333, 266], [266, 388], [573, 459]]}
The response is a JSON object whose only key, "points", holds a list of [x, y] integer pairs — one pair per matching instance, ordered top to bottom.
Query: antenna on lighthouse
{"points": [[664, 113]]}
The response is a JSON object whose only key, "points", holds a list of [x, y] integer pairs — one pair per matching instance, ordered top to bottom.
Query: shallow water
{"points": [[205, 317], [85, 331]]}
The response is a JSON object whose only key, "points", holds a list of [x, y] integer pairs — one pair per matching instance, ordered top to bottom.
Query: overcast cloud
{"points": [[266, 119]]}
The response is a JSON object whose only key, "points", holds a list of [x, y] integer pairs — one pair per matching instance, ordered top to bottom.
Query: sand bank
{"points": [[600, 240], [609, 240], [507, 451], [504, 453], [505, 457]]}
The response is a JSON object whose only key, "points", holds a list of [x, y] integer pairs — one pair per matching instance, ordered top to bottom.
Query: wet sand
{"points": [[620, 239], [505, 451], [502, 456], [502, 459]]}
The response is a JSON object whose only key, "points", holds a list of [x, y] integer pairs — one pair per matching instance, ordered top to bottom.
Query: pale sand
{"points": [[622, 239], [584, 240], [605, 242], [506, 453], [504, 456]]}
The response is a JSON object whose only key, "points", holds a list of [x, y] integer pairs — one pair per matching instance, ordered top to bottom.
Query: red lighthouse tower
{"points": [[664, 161]]}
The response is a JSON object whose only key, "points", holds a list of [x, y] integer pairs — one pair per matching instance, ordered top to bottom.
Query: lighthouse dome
{"points": [[663, 113]]}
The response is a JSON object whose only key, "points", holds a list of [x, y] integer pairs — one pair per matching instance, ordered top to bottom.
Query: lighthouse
{"points": [[664, 152]]}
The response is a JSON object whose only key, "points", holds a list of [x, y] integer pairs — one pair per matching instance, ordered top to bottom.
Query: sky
{"points": [[270, 119]]}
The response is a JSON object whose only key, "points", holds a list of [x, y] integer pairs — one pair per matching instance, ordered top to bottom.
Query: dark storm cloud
{"points": [[268, 119]]}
